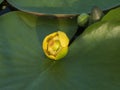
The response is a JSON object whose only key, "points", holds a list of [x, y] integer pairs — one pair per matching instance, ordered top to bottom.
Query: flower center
{"points": [[54, 45]]}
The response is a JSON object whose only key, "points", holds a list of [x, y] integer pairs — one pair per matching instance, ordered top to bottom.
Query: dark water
{"points": [[5, 7]]}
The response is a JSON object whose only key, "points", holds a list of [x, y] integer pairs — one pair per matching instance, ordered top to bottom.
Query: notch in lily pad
{"points": [[55, 45]]}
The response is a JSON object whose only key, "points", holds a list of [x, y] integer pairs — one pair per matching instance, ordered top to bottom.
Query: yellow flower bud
{"points": [[55, 45]]}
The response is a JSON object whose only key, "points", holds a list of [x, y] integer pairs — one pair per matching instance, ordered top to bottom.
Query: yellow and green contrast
{"points": [[55, 45]]}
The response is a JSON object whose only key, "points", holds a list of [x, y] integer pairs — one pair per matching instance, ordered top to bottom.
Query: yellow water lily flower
{"points": [[55, 45]]}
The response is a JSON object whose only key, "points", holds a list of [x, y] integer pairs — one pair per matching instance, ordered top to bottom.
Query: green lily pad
{"points": [[61, 6], [112, 15], [22, 59], [93, 61], [96, 62]]}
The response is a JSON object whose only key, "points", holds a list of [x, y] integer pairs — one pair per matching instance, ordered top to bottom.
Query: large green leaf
{"points": [[61, 6], [112, 15], [22, 61], [93, 61], [96, 62]]}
